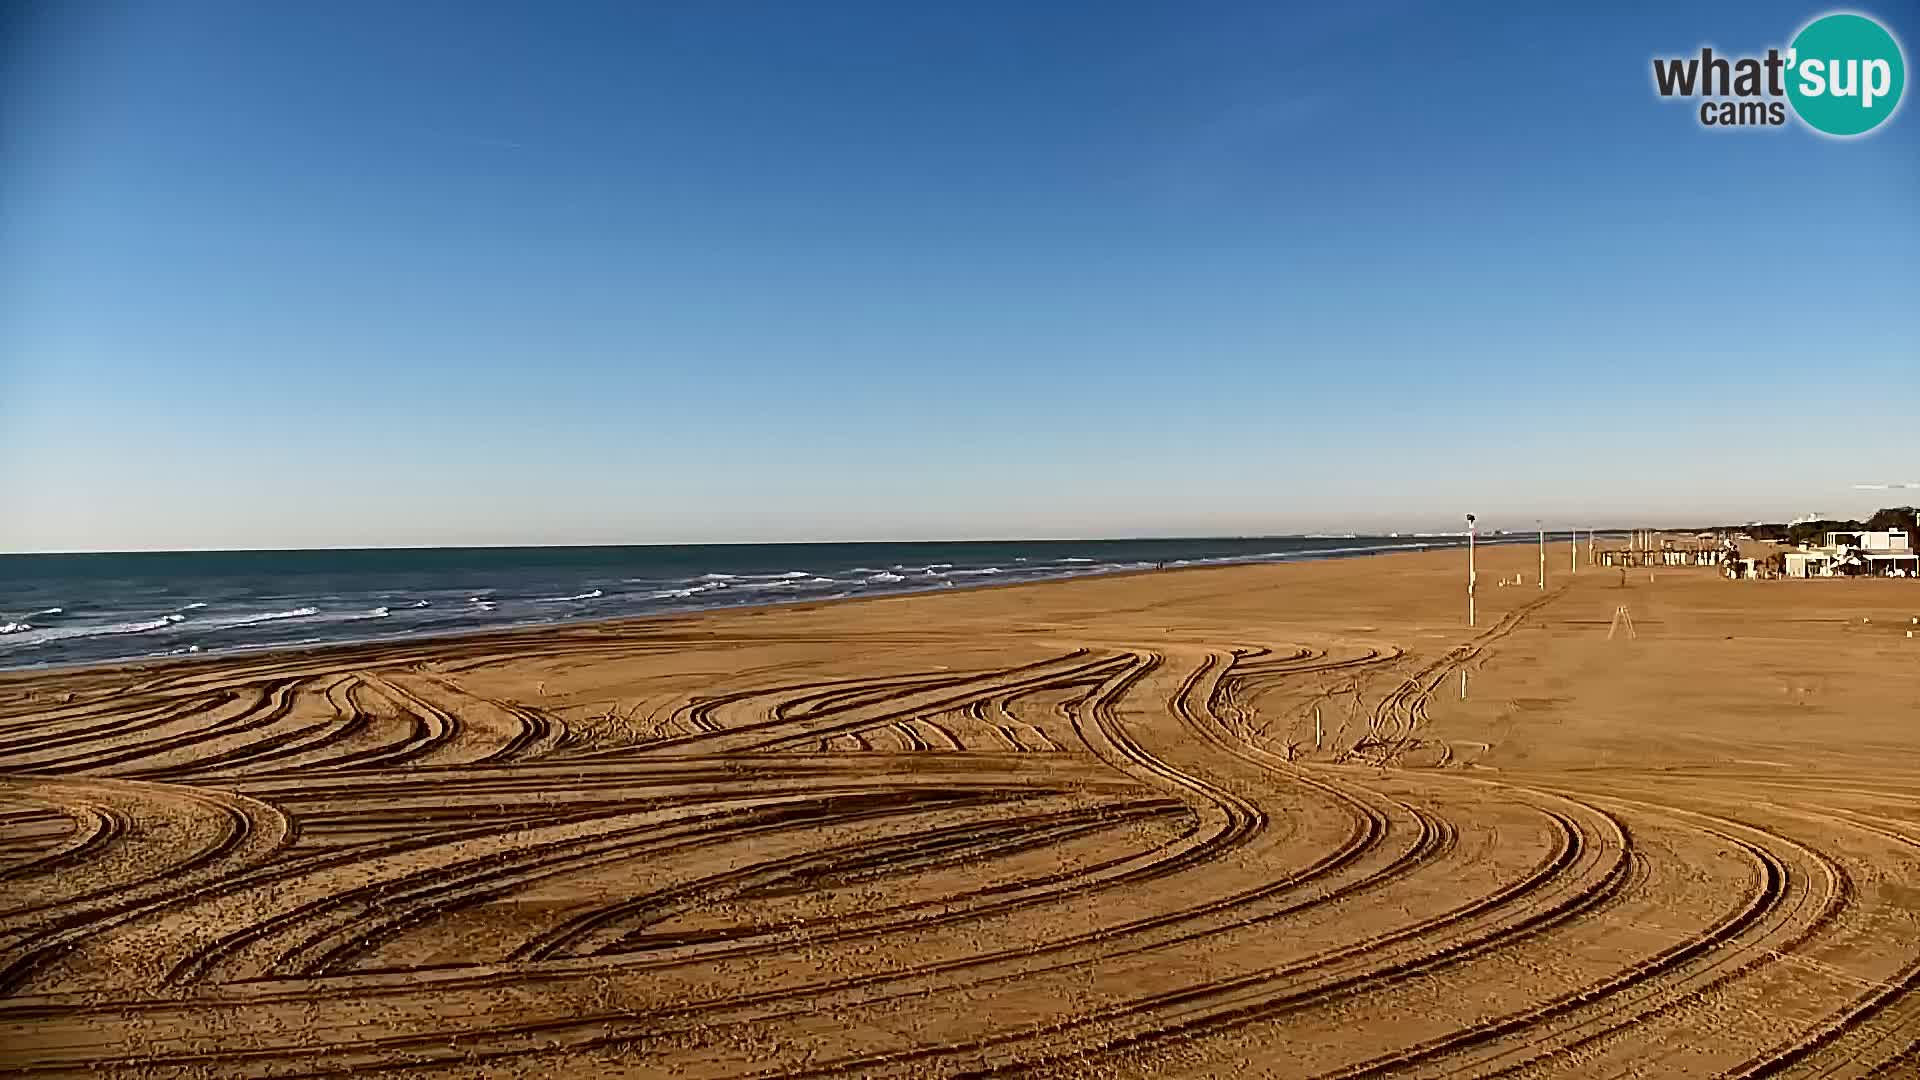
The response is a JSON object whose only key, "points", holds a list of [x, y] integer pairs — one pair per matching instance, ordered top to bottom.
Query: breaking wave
{"points": [[712, 583], [255, 620], [24, 635]]}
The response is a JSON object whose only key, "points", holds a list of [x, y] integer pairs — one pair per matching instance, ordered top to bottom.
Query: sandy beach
{"points": [[1279, 820]]}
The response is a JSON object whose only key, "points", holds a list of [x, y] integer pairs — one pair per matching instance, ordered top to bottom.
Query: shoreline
{"points": [[13, 672]]}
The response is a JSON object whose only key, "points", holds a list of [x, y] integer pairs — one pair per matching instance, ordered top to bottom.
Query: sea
{"points": [[59, 610]]}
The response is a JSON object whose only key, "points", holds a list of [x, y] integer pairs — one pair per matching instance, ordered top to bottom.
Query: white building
{"points": [[1891, 541], [1888, 553]]}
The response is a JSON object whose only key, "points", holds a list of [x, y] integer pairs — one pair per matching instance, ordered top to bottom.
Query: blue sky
{"points": [[364, 274]]}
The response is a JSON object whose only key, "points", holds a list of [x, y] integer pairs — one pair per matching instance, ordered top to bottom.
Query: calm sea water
{"points": [[76, 609]]}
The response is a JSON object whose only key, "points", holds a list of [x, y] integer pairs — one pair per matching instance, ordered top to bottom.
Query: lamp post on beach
{"points": [[1573, 550], [1543, 552], [1469, 569]]}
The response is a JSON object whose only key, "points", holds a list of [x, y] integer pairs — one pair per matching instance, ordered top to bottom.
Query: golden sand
{"points": [[1207, 822]]}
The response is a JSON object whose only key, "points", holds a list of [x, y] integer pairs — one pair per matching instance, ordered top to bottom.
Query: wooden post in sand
{"points": [[1319, 732]]}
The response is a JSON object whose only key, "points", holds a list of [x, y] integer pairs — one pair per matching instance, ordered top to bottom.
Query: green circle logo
{"points": [[1845, 74]]}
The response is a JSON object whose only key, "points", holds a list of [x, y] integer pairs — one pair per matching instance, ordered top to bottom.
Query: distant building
{"points": [[1892, 540], [1887, 553], [1808, 563]]}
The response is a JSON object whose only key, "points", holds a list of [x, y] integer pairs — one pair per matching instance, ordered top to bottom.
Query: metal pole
{"points": [[1573, 551], [1543, 555], [1469, 569]]}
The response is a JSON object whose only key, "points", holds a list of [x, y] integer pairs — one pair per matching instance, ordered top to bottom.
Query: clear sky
{"points": [[357, 273]]}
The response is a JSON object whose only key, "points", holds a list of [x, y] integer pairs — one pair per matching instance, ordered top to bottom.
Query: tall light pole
{"points": [[1573, 551], [1543, 553], [1469, 569]]}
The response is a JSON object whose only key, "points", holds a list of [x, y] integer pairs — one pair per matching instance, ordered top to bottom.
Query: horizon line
{"points": [[1397, 534]]}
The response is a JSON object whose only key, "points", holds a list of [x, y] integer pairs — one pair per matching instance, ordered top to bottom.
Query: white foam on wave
{"points": [[1074, 558], [977, 573], [716, 577], [885, 578], [765, 586], [690, 591], [594, 595], [421, 603], [196, 605], [43, 611], [378, 613], [262, 617], [15, 627], [27, 636]]}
